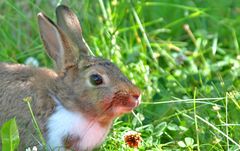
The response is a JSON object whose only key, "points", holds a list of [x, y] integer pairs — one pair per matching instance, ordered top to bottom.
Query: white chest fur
{"points": [[63, 123]]}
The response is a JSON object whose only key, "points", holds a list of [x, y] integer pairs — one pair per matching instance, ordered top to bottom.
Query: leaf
{"points": [[138, 119], [173, 127], [160, 128], [183, 128], [10, 135], [189, 141], [181, 144]]}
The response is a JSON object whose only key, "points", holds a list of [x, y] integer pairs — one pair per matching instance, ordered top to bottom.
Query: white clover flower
{"points": [[32, 61], [216, 107], [33, 149]]}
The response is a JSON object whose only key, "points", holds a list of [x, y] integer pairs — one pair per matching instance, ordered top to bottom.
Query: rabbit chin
{"points": [[119, 110]]}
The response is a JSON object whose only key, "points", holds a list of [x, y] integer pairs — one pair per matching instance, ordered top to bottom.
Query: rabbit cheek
{"points": [[106, 104]]}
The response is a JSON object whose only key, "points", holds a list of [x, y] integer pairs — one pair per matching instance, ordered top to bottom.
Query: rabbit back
{"points": [[16, 83]]}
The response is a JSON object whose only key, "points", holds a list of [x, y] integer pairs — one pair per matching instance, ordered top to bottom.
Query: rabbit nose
{"points": [[136, 96]]}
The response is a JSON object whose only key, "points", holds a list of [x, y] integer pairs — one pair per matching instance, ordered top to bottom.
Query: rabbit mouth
{"points": [[124, 102], [120, 103], [129, 103], [125, 106]]}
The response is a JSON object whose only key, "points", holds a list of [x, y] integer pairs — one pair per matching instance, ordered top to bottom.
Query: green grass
{"points": [[189, 77]]}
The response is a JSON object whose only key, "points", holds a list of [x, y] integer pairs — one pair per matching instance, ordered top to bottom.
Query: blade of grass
{"points": [[184, 7], [146, 24], [145, 37], [235, 40], [28, 100], [199, 100], [183, 112], [226, 117], [195, 119], [218, 130]]}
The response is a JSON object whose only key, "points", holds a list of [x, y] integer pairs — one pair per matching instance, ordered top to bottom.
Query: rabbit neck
{"points": [[73, 131]]}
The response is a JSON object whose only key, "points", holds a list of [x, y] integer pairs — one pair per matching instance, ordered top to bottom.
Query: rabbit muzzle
{"points": [[125, 102]]}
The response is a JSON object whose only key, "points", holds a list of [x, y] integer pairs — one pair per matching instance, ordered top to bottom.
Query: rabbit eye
{"points": [[96, 79]]}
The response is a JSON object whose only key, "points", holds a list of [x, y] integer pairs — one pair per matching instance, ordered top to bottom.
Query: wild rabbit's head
{"points": [[98, 89]]}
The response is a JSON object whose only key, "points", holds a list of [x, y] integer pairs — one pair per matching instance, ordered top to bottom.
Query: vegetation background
{"points": [[183, 54]]}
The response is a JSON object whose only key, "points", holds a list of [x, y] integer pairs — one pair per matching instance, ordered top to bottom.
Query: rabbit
{"points": [[74, 104]]}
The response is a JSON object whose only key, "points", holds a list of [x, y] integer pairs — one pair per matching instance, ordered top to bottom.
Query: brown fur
{"points": [[18, 82], [69, 83]]}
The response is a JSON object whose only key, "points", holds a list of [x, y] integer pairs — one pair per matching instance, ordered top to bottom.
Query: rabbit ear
{"points": [[69, 23], [58, 46]]}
